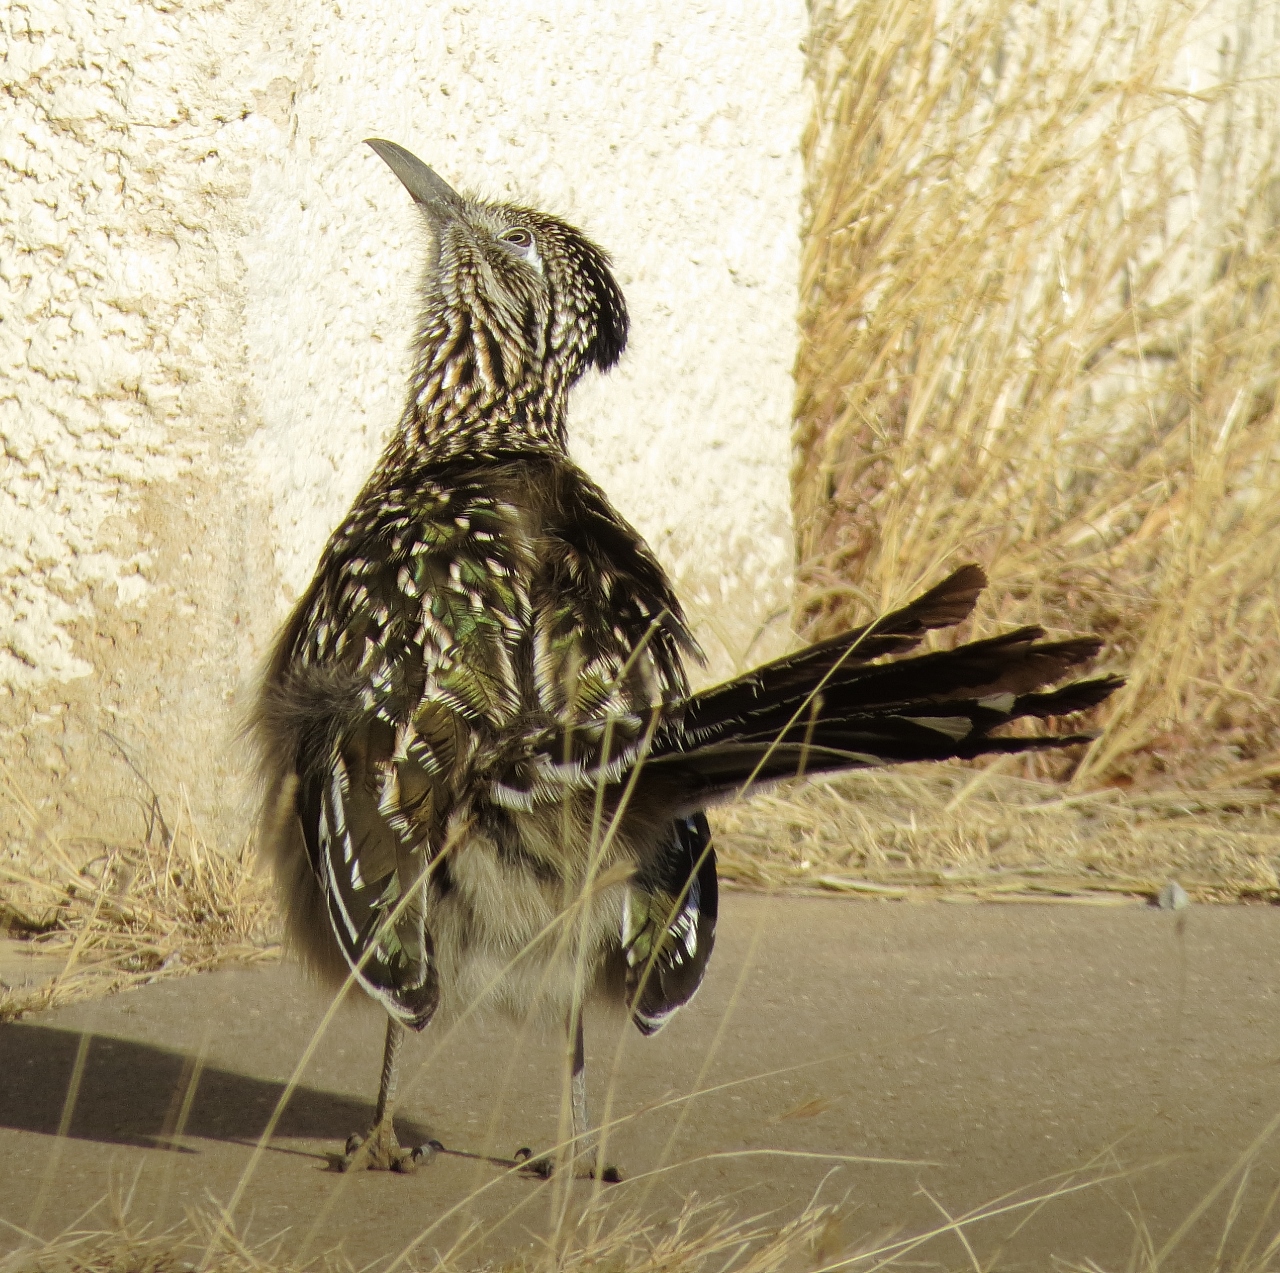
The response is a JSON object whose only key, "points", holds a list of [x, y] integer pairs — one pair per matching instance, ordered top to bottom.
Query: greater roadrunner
{"points": [[485, 773]]}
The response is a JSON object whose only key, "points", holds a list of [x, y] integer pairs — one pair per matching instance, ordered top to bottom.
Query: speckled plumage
{"points": [[437, 685], [484, 772]]}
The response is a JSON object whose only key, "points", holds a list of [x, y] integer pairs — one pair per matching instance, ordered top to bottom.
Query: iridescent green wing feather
{"points": [[411, 631], [669, 924]]}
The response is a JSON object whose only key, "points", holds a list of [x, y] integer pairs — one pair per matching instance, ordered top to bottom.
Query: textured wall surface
{"points": [[206, 288]]}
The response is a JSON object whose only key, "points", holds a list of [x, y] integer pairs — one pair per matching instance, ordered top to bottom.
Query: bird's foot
{"points": [[381, 1151], [585, 1167], [542, 1168]]}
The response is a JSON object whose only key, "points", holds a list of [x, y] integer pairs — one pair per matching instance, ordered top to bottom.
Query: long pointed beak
{"points": [[432, 192]]}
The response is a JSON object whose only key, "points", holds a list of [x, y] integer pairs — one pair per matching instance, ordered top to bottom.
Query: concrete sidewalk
{"points": [[1000, 1045]]}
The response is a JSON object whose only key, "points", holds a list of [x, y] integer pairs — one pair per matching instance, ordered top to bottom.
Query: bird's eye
{"points": [[518, 238]]}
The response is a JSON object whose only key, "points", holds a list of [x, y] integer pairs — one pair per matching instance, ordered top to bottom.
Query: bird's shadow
{"points": [[132, 1093]]}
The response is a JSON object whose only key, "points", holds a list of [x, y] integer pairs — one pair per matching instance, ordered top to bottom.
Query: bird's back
{"points": [[473, 663]]}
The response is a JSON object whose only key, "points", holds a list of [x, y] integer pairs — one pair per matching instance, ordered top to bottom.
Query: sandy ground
{"points": [[990, 1047]]}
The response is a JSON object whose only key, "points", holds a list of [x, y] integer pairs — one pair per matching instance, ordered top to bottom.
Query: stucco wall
{"points": [[207, 288]]}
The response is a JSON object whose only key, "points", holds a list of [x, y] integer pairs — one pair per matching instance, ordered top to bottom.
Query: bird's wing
{"points": [[400, 669], [368, 869], [669, 924]]}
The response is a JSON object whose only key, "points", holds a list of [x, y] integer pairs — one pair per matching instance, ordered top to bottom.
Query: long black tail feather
{"points": [[898, 632], [1014, 663], [828, 707]]}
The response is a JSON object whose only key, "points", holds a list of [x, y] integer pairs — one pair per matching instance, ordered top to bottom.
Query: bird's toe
{"points": [[381, 1151], [350, 1152], [424, 1153], [405, 1162], [540, 1168], [586, 1168], [589, 1168]]}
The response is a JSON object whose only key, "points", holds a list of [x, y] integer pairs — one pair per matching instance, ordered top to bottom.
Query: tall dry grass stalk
{"points": [[1041, 330], [124, 915]]}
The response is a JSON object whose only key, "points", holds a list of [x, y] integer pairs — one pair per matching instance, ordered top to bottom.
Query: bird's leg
{"points": [[585, 1141], [584, 1146], [585, 1149], [380, 1150]]}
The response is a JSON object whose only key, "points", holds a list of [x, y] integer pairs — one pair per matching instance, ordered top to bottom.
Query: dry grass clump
{"points": [[1041, 331], [943, 831], [124, 915], [702, 1238], [126, 1247]]}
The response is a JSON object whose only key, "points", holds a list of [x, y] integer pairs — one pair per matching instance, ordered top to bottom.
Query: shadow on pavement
{"points": [[134, 1094]]}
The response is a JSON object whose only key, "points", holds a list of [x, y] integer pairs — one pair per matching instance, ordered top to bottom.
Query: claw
{"points": [[425, 1153], [541, 1168], [589, 1169]]}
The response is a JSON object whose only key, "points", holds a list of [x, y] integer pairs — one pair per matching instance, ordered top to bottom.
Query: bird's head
{"points": [[519, 303]]}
